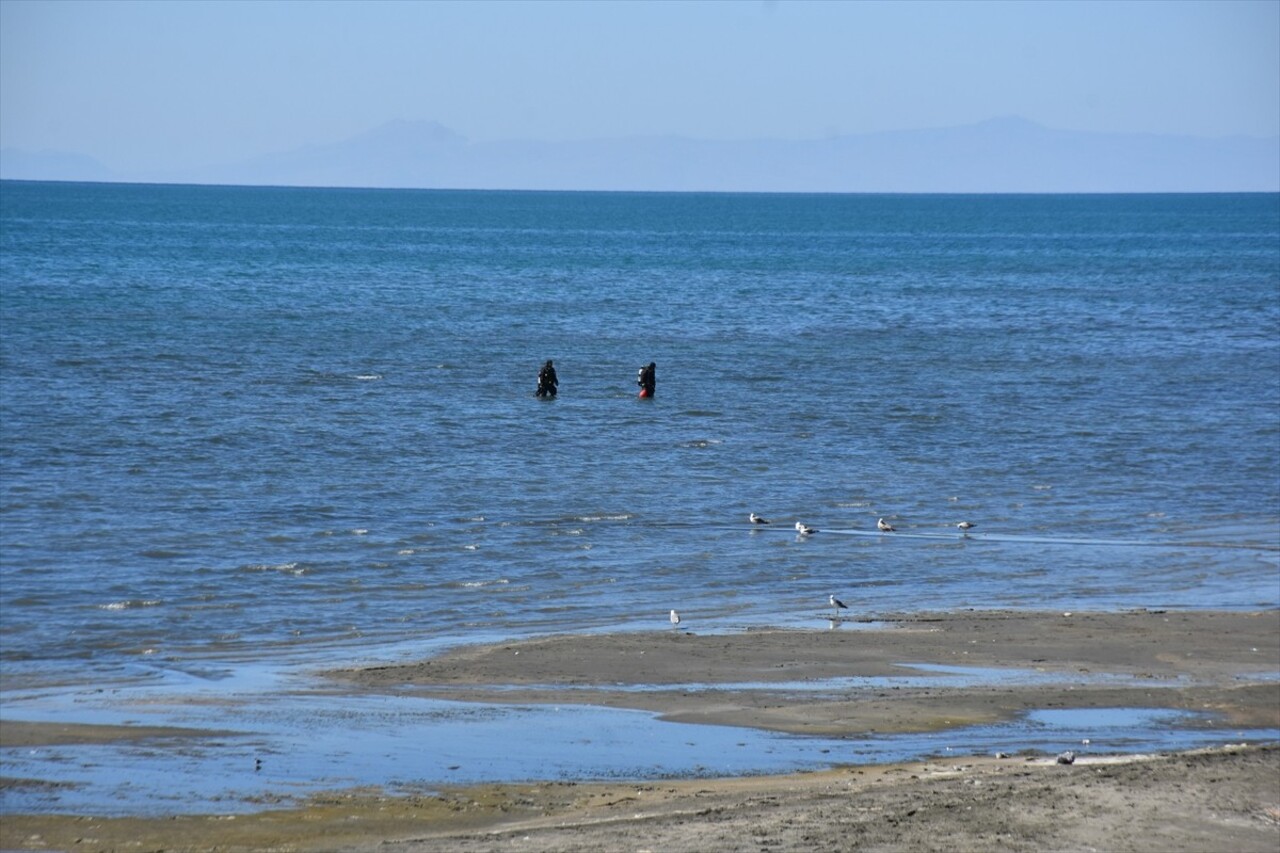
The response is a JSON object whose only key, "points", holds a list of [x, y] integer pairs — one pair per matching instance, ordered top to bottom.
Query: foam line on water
{"points": [[1017, 539]]}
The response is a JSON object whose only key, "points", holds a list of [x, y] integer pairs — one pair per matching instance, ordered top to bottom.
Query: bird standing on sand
{"points": [[755, 519], [884, 526], [965, 527], [804, 529], [837, 605], [675, 619]]}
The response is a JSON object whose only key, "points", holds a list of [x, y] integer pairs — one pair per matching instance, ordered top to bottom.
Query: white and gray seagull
{"points": [[755, 519], [884, 526], [965, 527], [804, 529], [837, 604], [675, 619]]}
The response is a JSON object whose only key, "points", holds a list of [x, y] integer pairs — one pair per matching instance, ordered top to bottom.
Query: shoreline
{"points": [[864, 680], [841, 682], [1185, 802]]}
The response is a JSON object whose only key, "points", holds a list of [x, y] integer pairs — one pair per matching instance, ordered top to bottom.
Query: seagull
{"points": [[755, 519], [884, 526], [965, 526], [804, 529], [837, 604], [675, 619]]}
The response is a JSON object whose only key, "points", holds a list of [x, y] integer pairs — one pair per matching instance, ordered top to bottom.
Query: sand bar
{"points": [[1225, 663], [1215, 799]]}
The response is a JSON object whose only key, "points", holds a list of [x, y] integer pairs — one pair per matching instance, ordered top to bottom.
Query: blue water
{"points": [[270, 424], [249, 432], [309, 743]]}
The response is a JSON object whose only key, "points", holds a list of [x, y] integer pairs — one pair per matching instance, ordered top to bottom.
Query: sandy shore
{"points": [[1185, 661], [1207, 800], [1210, 801]]}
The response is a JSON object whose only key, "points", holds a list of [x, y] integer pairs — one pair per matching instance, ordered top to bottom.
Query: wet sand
{"points": [[1185, 661], [15, 733], [1220, 799], [1209, 801]]}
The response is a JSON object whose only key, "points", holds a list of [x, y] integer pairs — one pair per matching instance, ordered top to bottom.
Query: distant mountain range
{"points": [[996, 156], [51, 166]]}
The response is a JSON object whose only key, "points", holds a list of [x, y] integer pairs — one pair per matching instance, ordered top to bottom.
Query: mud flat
{"points": [[914, 672], [845, 681]]}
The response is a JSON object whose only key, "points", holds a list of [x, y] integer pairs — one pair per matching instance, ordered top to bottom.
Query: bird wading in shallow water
{"points": [[755, 519], [884, 526], [965, 527], [804, 529], [837, 605], [675, 619]]}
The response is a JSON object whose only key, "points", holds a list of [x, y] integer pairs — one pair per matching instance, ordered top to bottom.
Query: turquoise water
{"points": [[298, 424]]}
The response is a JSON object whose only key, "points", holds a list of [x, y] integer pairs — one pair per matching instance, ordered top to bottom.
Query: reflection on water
{"points": [[275, 745]]}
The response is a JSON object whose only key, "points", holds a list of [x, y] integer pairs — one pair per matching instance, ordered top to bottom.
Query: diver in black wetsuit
{"points": [[646, 379], [547, 381]]}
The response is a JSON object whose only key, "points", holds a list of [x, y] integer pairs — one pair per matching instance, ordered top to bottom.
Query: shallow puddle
{"points": [[940, 676], [294, 744]]}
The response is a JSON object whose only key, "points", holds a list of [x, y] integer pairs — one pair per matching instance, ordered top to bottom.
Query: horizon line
{"points": [[527, 190]]}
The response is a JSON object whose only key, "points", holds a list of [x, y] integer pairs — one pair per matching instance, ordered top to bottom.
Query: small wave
{"points": [[368, 377], [703, 443], [623, 517], [360, 531], [290, 568], [477, 584], [131, 604]]}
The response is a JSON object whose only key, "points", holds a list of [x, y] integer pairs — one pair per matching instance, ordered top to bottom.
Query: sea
{"points": [[253, 426]]}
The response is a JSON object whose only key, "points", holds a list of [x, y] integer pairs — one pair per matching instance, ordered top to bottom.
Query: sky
{"points": [[169, 85]]}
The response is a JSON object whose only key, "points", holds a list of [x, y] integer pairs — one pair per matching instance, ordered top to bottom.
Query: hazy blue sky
{"points": [[176, 84]]}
